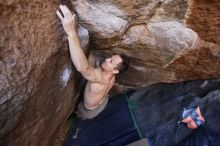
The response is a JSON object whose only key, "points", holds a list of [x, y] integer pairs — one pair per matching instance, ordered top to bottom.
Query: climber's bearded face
{"points": [[110, 64]]}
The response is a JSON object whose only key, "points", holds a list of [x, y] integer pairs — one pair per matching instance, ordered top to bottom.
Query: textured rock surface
{"points": [[203, 16], [104, 25], [158, 38], [164, 40], [167, 41], [200, 63], [37, 80]]}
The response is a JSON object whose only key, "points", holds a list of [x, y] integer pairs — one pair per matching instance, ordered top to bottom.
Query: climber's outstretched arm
{"points": [[77, 55]]}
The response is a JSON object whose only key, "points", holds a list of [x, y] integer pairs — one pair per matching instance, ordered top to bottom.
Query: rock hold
{"points": [[99, 23]]}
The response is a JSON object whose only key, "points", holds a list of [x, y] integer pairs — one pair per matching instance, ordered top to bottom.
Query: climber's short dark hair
{"points": [[122, 67]]}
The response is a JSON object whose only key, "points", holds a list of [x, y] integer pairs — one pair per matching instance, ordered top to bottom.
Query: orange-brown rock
{"points": [[203, 16], [157, 37], [167, 41], [201, 63], [37, 81]]}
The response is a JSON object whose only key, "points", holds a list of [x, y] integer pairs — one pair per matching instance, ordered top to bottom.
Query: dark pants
{"points": [[112, 127]]}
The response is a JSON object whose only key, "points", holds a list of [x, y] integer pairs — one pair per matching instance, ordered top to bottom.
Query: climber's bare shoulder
{"points": [[96, 92]]}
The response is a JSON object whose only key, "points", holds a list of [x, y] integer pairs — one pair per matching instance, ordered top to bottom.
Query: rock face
{"points": [[203, 16], [108, 27], [165, 39], [37, 80]]}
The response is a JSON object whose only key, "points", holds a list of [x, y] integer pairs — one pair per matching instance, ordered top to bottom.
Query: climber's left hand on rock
{"points": [[68, 21]]}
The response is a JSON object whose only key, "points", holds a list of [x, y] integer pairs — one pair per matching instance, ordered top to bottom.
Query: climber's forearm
{"points": [[77, 55]]}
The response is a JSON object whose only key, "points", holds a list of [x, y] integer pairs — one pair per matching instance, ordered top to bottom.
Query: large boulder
{"points": [[159, 35], [167, 41], [38, 85]]}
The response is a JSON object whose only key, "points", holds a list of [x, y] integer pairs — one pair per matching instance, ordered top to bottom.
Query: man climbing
{"points": [[101, 79], [117, 122]]}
